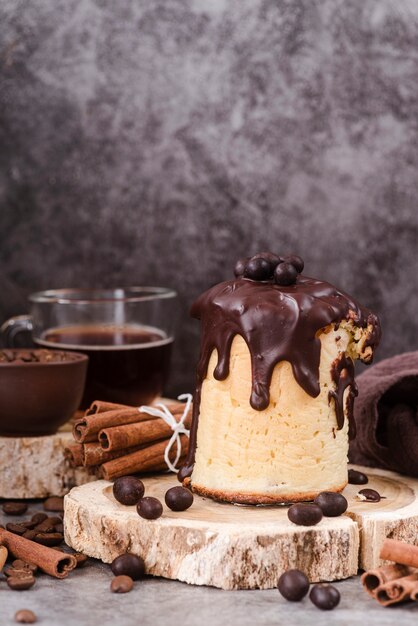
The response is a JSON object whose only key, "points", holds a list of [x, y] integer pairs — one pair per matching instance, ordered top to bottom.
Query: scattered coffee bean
{"points": [[296, 261], [240, 267], [257, 268], [285, 274], [357, 478], [128, 490], [369, 495], [178, 498], [55, 503], [331, 504], [15, 508], [149, 508], [304, 514], [38, 518], [45, 527], [59, 528], [16, 529], [29, 534], [48, 539], [81, 559], [19, 564], [129, 565], [21, 583], [121, 584], [293, 585], [324, 596], [25, 616]]}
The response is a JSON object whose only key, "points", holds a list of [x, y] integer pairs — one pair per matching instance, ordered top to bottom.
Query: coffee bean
{"points": [[296, 261], [240, 267], [257, 268], [285, 274], [357, 478], [128, 490], [369, 495], [178, 498], [55, 503], [331, 504], [14, 508], [149, 508], [304, 514], [38, 518], [45, 527], [59, 528], [16, 529], [30, 534], [49, 539], [81, 559], [19, 564], [129, 565], [18, 572], [21, 583], [121, 584], [293, 585], [324, 596], [25, 616]]}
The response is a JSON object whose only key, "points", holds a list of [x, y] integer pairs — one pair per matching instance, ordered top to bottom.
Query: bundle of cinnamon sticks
{"points": [[115, 440], [397, 581]]}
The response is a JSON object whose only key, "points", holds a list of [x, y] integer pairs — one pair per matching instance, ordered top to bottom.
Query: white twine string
{"points": [[178, 428]]}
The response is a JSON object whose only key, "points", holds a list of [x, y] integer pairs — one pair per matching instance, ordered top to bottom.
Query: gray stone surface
{"points": [[155, 142], [84, 599]]}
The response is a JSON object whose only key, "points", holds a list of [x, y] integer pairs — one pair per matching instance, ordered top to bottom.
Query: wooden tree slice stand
{"points": [[35, 467], [241, 547]]}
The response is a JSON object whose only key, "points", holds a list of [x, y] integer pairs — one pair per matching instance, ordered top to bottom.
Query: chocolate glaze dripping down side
{"points": [[278, 323], [342, 374]]}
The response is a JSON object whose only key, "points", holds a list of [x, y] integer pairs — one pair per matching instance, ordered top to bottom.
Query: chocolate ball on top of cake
{"points": [[275, 384]]}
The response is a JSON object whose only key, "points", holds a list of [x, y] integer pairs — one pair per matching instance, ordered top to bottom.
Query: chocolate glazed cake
{"points": [[275, 384]]}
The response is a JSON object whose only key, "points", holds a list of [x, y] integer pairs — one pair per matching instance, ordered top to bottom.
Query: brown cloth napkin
{"points": [[386, 414]]}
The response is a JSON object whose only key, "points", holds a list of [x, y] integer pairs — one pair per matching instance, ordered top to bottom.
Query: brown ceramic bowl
{"points": [[39, 390]]}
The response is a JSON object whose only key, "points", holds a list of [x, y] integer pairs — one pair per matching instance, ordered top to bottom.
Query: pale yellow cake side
{"points": [[292, 450]]}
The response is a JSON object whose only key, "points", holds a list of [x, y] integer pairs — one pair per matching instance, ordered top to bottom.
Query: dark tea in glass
{"points": [[127, 364]]}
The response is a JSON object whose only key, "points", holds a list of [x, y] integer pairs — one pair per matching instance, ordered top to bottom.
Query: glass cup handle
{"points": [[13, 326]]}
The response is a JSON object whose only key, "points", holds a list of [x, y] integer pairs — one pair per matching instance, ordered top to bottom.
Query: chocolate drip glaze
{"points": [[278, 323], [342, 374]]}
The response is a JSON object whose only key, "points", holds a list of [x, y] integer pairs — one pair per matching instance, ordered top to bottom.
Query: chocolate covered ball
{"points": [[272, 259], [296, 261], [240, 266], [257, 268], [285, 274], [128, 490], [178, 498], [331, 504], [149, 508], [304, 514], [128, 565], [293, 585], [324, 596]]}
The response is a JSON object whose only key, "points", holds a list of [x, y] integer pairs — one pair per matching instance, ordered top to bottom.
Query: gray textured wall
{"points": [[156, 141]]}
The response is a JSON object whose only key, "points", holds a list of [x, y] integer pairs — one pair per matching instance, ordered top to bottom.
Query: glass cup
{"points": [[126, 333]]}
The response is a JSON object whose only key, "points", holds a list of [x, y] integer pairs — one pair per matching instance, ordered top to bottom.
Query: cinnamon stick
{"points": [[100, 406], [87, 428], [127, 436], [74, 454], [93, 454], [146, 459], [399, 552], [52, 562], [375, 578], [399, 590]]}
